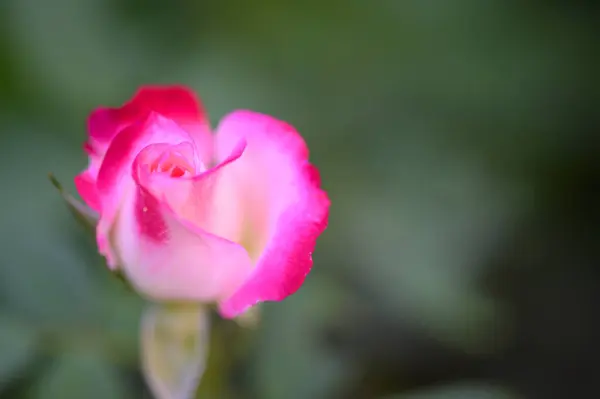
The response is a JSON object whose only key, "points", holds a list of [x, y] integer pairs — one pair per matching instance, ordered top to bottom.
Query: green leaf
{"points": [[82, 212], [17, 346], [174, 349]]}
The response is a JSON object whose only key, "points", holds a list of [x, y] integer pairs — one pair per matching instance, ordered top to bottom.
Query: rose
{"points": [[188, 216]]}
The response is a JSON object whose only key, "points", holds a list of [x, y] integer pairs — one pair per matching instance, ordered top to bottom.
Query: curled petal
{"points": [[114, 177], [205, 200], [283, 208], [168, 258]]}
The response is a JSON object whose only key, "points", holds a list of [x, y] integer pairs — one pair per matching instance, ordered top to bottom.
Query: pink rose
{"points": [[231, 218]]}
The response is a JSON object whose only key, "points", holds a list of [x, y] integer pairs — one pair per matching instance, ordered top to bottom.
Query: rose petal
{"points": [[176, 103], [114, 178], [85, 183], [205, 200], [284, 208], [169, 258]]}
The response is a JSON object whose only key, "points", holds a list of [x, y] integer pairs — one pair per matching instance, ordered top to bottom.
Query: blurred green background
{"points": [[459, 143]]}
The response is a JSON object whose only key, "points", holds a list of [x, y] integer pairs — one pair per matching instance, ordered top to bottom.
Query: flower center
{"points": [[172, 163]]}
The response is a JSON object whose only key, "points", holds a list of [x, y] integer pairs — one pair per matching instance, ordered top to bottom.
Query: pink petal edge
{"points": [[176, 103], [85, 183], [287, 257]]}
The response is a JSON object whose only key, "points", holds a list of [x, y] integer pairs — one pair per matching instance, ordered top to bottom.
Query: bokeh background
{"points": [[459, 143]]}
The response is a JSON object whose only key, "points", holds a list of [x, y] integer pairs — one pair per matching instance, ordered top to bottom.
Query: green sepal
{"points": [[84, 214]]}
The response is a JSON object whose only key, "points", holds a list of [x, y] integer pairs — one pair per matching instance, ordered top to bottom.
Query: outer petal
{"points": [[173, 102], [114, 177], [85, 183], [284, 207], [169, 258]]}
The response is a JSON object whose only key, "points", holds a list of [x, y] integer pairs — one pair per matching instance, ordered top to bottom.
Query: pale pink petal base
{"points": [[167, 258]]}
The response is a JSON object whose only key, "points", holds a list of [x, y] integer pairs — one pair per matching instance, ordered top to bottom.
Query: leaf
{"points": [[85, 215], [174, 342], [17, 346]]}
